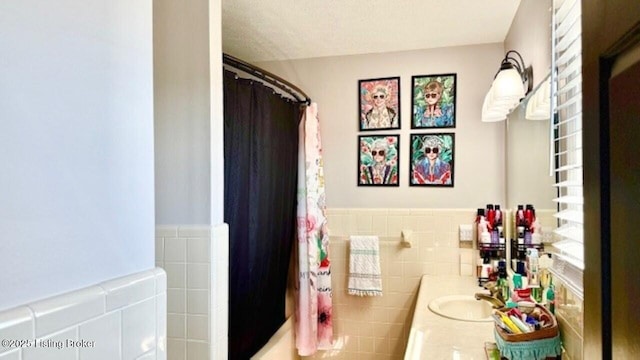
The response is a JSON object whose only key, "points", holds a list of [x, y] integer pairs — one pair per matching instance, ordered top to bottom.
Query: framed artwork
{"points": [[433, 101], [379, 103], [378, 159], [432, 160]]}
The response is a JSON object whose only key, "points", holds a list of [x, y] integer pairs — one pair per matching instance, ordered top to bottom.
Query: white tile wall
{"points": [[196, 261], [114, 320], [138, 329], [108, 347], [11, 355]]}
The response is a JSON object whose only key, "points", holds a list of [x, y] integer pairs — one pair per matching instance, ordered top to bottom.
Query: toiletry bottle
{"points": [[479, 213], [533, 214], [490, 215], [528, 215], [498, 216], [479, 217], [493, 221], [528, 221], [520, 224], [483, 228], [499, 228], [536, 233], [479, 262], [532, 267], [521, 268], [533, 277], [517, 281], [503, 284], [551, 299]]}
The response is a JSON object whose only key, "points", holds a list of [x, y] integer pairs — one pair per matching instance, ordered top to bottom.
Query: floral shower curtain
{"points": [[314, 330]]}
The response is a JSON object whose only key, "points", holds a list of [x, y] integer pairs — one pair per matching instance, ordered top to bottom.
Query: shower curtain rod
{"points": [[272, 79]]}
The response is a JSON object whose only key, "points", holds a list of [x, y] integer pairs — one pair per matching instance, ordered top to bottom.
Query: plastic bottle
{"points": [[479, 213], [490, 215], [528, 215], [498, 216], [479, 220], [528, 222], [520, 224], [499, 226], [483, 228], [536, 230], [533, 269], [533, 275], [517, 281], [503, 284], [551, 299]]}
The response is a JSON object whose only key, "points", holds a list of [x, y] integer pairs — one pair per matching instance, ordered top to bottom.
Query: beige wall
{"points": [[530, 35], [182, 111], [527, 143], [479, 148], [527, 162]]}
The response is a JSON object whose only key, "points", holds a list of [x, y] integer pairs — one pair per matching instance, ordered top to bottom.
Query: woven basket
{"points": [[544, 333]]}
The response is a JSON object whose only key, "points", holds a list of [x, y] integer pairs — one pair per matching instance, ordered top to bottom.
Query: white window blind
{"points": [[567, 133]]}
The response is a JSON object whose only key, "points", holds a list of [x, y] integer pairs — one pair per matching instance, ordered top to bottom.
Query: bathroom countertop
{"points": [[434, 337]]}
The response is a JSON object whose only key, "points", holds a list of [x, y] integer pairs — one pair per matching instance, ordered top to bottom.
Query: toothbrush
{"points": [[500, 323], [509, 323], [520, 324]]}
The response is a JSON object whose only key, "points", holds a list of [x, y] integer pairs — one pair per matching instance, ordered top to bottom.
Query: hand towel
{"points": [[365, 278]]}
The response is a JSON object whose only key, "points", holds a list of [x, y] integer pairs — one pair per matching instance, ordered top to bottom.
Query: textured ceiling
{"points": [[260, 30]]}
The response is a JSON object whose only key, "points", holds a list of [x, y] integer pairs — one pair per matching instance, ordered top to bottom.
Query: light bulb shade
{"points": [[508, 84], [505, 104], [539, 105], [494, 114], [486, 118]]}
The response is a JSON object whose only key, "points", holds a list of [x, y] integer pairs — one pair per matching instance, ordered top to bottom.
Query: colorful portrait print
{"points": [[434, 101], [379, 103], [432, 158], [378, 160]]}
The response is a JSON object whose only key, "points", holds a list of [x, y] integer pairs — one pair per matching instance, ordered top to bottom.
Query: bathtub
{"points": [[435, 337], [281, 346]]}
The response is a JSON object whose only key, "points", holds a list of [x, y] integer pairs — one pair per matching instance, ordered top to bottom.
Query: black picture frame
{"points": [[442, 113], [379, 114], [426, 170], [370, 171]]}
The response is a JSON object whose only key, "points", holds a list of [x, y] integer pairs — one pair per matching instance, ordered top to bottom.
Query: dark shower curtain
{"points": [[260, 170]]}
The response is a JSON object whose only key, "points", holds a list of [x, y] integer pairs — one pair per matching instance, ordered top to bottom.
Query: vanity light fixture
{"points": [[508, 87], [539, 105]]}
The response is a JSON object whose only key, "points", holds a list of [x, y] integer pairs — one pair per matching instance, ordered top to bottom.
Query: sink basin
{"points": [[462, 307]]}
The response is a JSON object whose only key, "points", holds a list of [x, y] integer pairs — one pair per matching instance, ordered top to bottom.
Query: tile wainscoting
{"points": [[196, 261], [570, 314], [120, 319], [378, 327]]}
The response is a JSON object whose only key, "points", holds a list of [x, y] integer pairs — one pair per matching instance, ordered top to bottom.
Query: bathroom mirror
{"points": [[527, 161]]}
